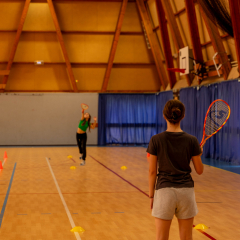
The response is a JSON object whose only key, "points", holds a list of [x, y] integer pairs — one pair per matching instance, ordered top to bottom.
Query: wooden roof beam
{"points": [[235, 15], [194, 32], [177, 38], [166, 42], [153, 43], [15, 44], [217, 44], [114, 45], [64, 51]]}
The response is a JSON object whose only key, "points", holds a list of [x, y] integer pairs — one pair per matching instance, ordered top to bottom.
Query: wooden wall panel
{"points": [[10, 15], [88, 16], [39, 18], [131, 21], [6, 43], [38, 46], [88, 48], [133, 49], [31, 77], [91, 77], [143, 78]]}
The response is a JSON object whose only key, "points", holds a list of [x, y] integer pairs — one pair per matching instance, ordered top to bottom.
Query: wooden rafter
{"points": [[235, 15], [194, 32], [177, 38], [166, 42], [153, 43], [15, 44], [217, 44], [114, 45], [64, 51]]}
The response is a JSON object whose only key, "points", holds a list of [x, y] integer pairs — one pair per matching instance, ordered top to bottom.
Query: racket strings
{"points": [[217, 116]]}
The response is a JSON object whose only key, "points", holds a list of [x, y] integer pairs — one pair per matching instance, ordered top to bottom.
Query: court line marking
{"points": [[119, 176], [6, 198], [63, 201], [207, 235]]}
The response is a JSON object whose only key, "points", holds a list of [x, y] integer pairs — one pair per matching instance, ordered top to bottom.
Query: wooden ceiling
{"points": [[166, 17]]}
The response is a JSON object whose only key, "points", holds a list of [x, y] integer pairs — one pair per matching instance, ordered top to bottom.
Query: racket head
{"points": [[84, 106], [216, 117]]}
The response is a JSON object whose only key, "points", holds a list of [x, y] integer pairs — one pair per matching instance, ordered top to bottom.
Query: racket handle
{"points": [[83, 111], [148, 155]]}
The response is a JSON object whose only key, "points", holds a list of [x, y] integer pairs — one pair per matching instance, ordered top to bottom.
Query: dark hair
{"points": [[174, 111], [89, 122]]}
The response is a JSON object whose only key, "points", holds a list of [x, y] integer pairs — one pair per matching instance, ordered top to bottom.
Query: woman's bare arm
{"points": [[82, 115], [94, 124], [152, 174]]}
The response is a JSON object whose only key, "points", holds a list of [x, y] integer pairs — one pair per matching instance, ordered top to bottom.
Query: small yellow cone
{"points": [[69, 156], [72, 167], [123, 167], [201, 226], [77, 229]]}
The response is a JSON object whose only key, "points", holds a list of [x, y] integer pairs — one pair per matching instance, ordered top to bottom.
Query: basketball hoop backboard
{"points": [[185, 60]]}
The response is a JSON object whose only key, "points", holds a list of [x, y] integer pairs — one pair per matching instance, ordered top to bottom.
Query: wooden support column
{"points": [[235, 15], [194, 32], [177, 38], [166, 42], [153, 43], [15, 44], [217, 44], [114, 46], [64, 51]]}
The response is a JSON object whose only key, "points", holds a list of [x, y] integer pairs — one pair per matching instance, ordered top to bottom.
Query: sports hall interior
{"points": [[122, 59]]}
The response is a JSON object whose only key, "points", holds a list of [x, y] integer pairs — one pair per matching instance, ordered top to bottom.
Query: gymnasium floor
{"points": [[106, 201]]}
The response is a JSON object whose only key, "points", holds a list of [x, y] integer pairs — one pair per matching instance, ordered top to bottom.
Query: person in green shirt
{"points": [[85, 123]]}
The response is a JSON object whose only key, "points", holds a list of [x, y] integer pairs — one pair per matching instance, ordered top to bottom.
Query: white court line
{"points": [[63, 201]]}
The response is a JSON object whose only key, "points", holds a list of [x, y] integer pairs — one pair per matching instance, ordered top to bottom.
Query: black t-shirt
{"points": [[174, 151]]}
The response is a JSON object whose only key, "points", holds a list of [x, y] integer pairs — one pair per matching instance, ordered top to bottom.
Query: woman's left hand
{"points": [[95, 119], [151, 203]]}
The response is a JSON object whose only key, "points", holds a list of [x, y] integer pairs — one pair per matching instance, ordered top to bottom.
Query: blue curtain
{"points": [[130, 118], [224, 145]]}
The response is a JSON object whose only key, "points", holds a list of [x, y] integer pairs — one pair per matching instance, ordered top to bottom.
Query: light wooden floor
{"points": [[101, 202]]}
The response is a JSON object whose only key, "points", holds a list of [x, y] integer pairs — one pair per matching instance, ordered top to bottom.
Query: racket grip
{"points": [[83, 111], [148, 155]]}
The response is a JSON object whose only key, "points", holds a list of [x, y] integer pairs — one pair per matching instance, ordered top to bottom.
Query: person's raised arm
{"points": [[82, 114], [94, 124], [197, 162]]}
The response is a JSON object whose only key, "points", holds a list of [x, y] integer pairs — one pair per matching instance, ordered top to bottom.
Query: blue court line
{"points": [[6, 198]]}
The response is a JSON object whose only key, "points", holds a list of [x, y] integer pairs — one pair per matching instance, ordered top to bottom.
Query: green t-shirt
{"points": [[84, 127]]}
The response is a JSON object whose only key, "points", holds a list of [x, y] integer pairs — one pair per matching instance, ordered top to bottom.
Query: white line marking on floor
{"points": [[63, 201]]}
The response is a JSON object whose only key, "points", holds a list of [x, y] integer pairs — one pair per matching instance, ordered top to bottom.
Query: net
{"points": [[219, 13], [217, 116]]}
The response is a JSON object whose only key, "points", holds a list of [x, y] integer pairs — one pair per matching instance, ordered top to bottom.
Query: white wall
{"points": [[44, 118]]}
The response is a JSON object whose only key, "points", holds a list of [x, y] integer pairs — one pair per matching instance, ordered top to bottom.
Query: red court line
{"points": [[120, 176], [207, 235]]}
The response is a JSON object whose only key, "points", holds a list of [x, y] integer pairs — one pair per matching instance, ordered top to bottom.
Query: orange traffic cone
{"points": [[5, 156], [1, 167]]}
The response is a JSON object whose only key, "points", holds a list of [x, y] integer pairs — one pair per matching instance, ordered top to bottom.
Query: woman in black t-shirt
{"points": [[171, 190]]}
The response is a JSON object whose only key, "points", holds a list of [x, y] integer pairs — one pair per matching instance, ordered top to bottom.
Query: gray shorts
{"points": [[178, 201]]}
